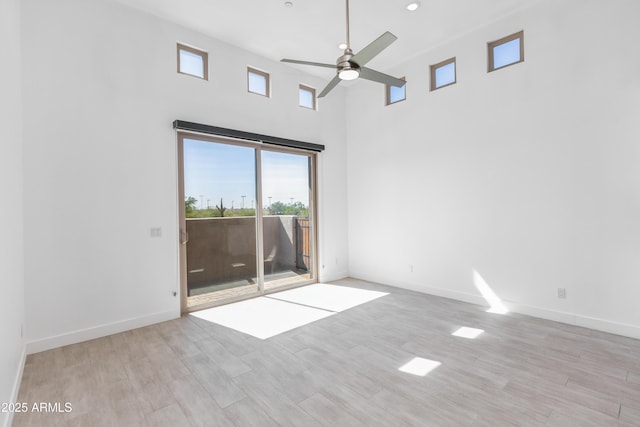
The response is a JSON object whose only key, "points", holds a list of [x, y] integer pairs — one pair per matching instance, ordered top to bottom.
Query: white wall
{"points": [[100, 95], [527, 175], [11, 240]]}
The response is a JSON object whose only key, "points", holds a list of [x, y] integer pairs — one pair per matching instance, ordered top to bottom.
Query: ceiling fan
{"points": [[350, 66]]}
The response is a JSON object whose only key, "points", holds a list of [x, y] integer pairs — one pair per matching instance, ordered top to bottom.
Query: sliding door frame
{"points": [[183, 237]]}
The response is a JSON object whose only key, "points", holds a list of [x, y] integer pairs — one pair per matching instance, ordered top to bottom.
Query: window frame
{"points": [[492, 45], [205, 60], [434, 67], [267, 77], [388, 92], [313, 97]]}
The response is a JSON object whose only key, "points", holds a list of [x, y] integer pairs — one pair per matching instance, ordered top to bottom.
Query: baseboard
{"points": [[439, 292], [445, 293], [542, 313], [594, 323], [603, 325], [617, 328], [74, 337], [16, 385]]}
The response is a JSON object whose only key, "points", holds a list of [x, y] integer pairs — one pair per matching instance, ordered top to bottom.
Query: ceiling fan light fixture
{"points": [[412, 6], [349, 74]]}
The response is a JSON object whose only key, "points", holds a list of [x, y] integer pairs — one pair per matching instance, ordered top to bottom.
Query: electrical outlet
{"points": [[156, 232], [562, 293]]}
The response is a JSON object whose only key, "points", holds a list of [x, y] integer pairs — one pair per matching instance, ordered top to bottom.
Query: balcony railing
{"points": [[221, 252]]}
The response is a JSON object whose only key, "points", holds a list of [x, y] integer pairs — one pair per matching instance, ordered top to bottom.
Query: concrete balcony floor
{"points": [[280, 279]]}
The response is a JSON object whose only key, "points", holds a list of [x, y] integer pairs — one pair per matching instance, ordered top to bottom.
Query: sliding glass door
{"points": [[219, 182], [246, 220], [287, 231]]}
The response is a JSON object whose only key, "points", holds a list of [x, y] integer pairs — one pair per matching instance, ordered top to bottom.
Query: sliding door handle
{"points": [[184, 237]]}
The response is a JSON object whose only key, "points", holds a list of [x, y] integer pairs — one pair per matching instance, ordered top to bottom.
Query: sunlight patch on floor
{"points": [[328, 297], [270, 315], [262, 317], [465, 332], [419, 366]]}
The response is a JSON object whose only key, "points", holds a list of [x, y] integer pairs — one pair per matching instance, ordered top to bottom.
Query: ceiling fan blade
{"points": [[374, 48], [316, 64], [377, 76], [333, 83]]}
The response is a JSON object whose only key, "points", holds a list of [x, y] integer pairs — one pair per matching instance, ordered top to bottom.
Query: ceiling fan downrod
{"points": [[348, 39], [346, 69]]}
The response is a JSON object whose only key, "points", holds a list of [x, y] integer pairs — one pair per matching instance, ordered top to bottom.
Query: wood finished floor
{"points": [[343, 371]]}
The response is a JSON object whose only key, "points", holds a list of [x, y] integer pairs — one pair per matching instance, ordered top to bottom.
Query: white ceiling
{"points": [[312, 29]]}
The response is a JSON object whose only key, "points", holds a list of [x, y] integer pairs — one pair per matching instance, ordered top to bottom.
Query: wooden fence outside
{"points": [[303, 244]]}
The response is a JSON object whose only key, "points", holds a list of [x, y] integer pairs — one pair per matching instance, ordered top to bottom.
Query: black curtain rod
{"points": [[232, 133]]}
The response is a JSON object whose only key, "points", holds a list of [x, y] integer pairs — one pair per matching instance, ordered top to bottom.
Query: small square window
{"points": [[506, 51], [192, 62], [443, 73], [258, 81], [396, 93], [307, 97]]}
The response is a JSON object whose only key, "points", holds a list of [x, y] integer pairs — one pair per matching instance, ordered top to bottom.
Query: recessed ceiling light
{"points": [[288, 4], [413, 6], [342, 46]]}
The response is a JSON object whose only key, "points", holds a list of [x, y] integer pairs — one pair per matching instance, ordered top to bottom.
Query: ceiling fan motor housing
{"points": [[344, 62]]}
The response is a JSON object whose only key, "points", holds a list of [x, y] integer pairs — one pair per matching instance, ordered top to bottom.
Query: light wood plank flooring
{"points": [[343, 371]]}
